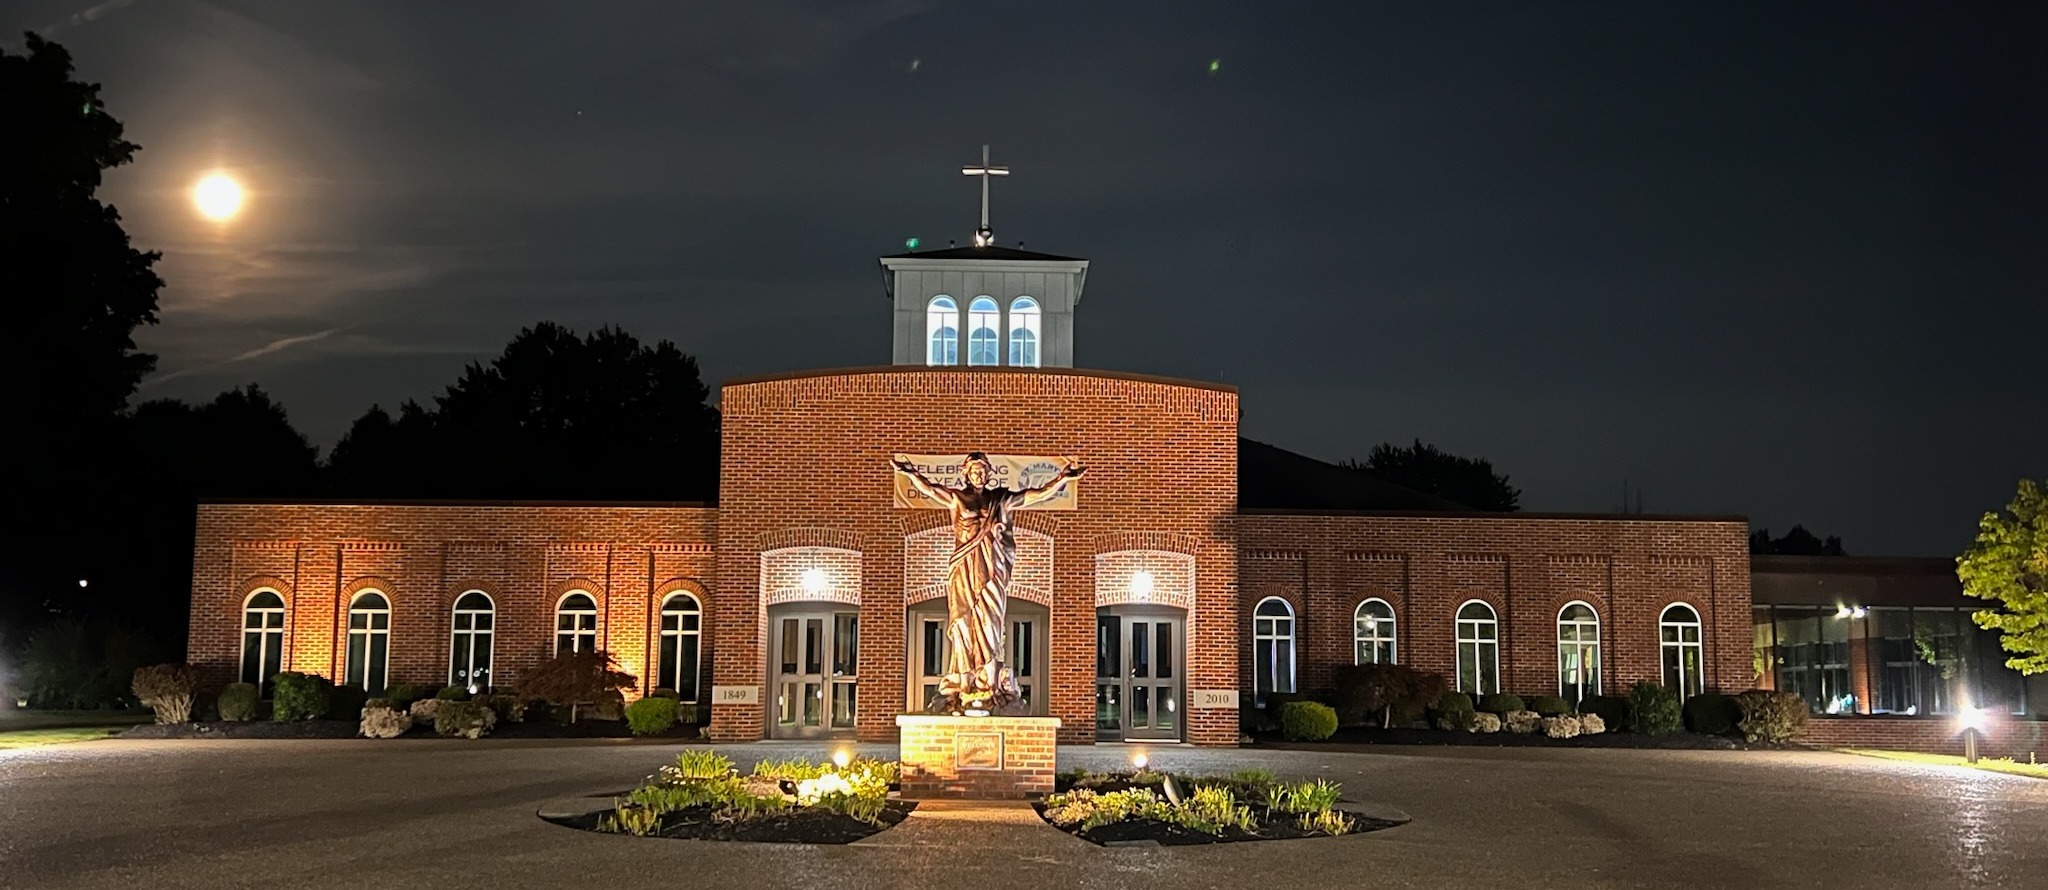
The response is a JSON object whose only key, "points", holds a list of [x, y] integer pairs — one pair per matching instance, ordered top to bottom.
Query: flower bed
{"points": [[702, 797], [1149, 806]]}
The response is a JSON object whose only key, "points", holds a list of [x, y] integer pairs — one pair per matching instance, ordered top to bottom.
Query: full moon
{"points": [[218, 197]]}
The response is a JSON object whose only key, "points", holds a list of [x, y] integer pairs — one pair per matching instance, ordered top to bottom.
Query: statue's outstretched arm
{"points": [[924, 486], [1029, 496]]}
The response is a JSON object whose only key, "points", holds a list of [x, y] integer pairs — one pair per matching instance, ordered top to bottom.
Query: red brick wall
{"points": [[807, 457], [422, 557], [1526, 567], [2003, 736]]}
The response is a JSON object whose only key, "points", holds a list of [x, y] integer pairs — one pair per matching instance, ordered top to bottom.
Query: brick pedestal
{"points": [[985, 758]]}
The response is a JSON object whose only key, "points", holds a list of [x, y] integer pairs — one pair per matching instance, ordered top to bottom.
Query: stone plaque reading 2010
{"points": [[978, 750]]}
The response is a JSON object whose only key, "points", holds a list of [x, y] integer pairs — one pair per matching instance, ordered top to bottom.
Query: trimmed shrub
{"points": [[572, 679], [167, 690], [665, 692], [453, 693], [1385, 694], [402, 695], [295, 696], [237, 702], [347, 702], [1500, 703], [1549, 705], [508, 707], [1613, 709], [1652, 709], [1453, 711], [1711, 713], [651, 715], [1769, 716], [466, 719], [1307, 721], [1522, 722], [384, 723], [1486, 723], [1591, 724], [1560, 727]]}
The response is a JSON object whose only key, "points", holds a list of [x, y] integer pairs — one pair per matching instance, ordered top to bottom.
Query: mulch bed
{"points": [[347, 729], [1677, 741], [793, 827], [1140, 831]]}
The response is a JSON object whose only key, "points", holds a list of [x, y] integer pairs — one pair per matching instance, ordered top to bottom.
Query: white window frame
{"points": [[981, 319], [941, 320], [1024, 332], [1664, 622], [1579, 626], [1264, 629], [368, 632], [456, 632], [576, 635], [269, 636], [1360, 638], [672, 642], [1480, 645]]}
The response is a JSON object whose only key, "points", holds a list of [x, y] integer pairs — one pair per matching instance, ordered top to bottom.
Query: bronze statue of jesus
{"points": [[977, 680]]}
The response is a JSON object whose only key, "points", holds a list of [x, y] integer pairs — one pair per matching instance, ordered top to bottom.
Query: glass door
{"points": [[1025, 645], [815, 657], [1139, 657]]}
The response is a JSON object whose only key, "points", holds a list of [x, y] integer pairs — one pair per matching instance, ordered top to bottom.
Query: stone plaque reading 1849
{"points": [[978, 750]]}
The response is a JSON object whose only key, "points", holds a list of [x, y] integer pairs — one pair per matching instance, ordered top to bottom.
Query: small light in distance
{"points": [[81, 582], [1972, 718], [841, 758], [1139, 760]]}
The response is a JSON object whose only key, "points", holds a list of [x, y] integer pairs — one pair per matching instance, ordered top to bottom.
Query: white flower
{"points": [[809, 791]]}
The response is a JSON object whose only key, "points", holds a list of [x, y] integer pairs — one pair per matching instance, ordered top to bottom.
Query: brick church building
{"points": [[1186, 576]]}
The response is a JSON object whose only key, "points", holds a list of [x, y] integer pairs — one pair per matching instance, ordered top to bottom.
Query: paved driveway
{"points": [[443, 815]]}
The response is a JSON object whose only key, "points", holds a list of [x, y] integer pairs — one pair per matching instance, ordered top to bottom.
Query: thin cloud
{"points": [[91, 14], [270, 348]]}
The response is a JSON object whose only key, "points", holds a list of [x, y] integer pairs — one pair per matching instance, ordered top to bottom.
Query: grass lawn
{"points": [[37, 718], [29, 738], [2036, 770]]}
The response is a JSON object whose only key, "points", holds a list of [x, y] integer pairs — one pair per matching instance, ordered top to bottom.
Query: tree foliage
{"points": [[1427, 469], [1797, 542], [2008, 563], [75, 663], [570, 679]]}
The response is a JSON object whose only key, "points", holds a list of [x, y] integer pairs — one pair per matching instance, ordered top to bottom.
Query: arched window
{"points": [[984, 321], [942, 331], [1024, 332], [575, 623], [682, 625], [1679, 628], [1372, 633], [262, 639], [369, 642], [1272, 648], [1478, 649], [1578, 652], [469, 658]]}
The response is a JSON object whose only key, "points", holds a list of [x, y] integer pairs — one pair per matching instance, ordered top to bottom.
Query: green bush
{"points": [[167, 690], [665, 692], [453, 693], [1384, 694], [402, 695], [295, 696], [237, 702], [347, 702], [1500, 703], [1549, 705], [508, 707], [1611, 709], [1653, 709], [1453, 710], [1712, 713], [651, 715], [1769, 716], [467, 719], [1253, 721], [1307, 721]]}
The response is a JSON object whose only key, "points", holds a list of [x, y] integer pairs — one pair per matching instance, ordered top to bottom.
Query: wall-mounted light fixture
{"points": [[814, 581], [1141, 584]]}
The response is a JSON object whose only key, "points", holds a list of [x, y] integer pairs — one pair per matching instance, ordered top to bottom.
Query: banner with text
{"points": [[1012, 471]]}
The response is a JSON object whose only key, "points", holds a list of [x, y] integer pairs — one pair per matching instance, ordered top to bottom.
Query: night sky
{"points": [[1782, 260]]}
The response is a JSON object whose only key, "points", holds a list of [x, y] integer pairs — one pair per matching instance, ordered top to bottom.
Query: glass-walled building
{"points": [[1856, 635]]}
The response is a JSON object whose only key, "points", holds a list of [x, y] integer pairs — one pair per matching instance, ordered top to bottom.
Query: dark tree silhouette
{"points": [[76, 290], [556, 415], [1466, 480], [1797, 542]]}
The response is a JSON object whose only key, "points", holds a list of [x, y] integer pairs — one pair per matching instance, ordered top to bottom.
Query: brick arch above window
{"points": [[836, 538], [1172, 542], [368, 582], [257, 583], [672, 586], [564, 588], [455, 590], [1359, 595]]}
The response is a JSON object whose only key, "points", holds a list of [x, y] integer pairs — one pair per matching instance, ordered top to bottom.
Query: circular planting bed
{"points": [[702, 797], [1149, 807]]}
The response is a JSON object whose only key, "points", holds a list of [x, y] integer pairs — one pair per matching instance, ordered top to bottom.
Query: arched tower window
{"points": [[942, 331], [1024, 332], [984, 337], [576, 623], [682, 625], [1679, 630], [1372, 633], [262, 639], [369, 642], [1272, 648], [1478, 649], [469, 650], [1578, 652]]}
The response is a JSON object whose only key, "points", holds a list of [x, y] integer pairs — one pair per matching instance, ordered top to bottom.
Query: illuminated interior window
{"points": [[984, 320], [942, 331], [1024, 332], [1372, 633], [1679, 633], [1272, 648], [1478, 649], [469, 650], [1578, 652]]}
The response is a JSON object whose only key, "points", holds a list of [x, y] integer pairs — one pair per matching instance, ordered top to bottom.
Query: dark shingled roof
{"points": [[981, 253], [1277, 479]]}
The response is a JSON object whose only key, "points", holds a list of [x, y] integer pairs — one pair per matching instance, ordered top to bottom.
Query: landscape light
{"points": [[1858, 612], [1972, 719], [840, 758], [1138, 760]]}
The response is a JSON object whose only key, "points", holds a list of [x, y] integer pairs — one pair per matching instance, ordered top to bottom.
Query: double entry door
{"points": [[1025, 645], [815, 657], [1139, 667]]}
